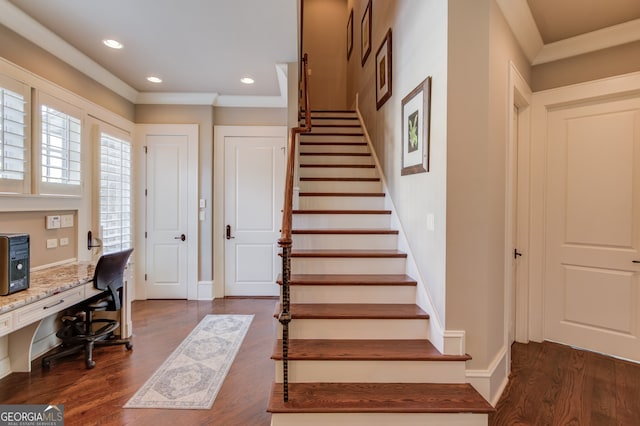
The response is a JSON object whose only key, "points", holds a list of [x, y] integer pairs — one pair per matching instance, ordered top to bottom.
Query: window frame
{"points": [[98, 130], [16, 186], [53, 188]]}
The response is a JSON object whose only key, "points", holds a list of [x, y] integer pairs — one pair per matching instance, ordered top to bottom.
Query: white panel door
{"points": [[254, 185], [166, 248], [592, 284]]}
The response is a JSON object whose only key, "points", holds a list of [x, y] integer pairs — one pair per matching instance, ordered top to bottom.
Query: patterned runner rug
{"points": [[193, 374]]}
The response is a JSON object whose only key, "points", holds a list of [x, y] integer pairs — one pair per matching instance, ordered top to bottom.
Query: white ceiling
{"points": [[200, 48]]}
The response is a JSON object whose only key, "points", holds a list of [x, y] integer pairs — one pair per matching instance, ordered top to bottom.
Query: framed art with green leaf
{"points": [[416, 123]]}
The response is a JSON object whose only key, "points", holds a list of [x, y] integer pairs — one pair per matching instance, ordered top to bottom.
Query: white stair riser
{"points": [[323, 128], [332, 138], [334, 148], [336, 159], [348, 172], [340, 186], [341, 203], [341, 221], [346, 242], [348, 266], [353, 294], [357, 329], [366, 371], [379, 419]]}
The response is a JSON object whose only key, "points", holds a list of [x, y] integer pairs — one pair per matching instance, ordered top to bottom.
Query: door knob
{"points": [[182, 237]]}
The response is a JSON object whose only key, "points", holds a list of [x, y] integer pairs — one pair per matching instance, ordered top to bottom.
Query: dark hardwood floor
{"points": [[550, 384], [96, 397]]}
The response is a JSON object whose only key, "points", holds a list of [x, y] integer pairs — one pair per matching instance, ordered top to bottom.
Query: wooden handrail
{"points": [[287, 210], [285, 241]]}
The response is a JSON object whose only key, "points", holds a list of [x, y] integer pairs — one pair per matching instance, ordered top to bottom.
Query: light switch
{"points": [[203, 203], [53, 222], [431, 222], [64, 241], [52, 243]]}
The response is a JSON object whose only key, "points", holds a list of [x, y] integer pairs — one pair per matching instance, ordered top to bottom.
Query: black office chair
{"points": [[82, 334]]}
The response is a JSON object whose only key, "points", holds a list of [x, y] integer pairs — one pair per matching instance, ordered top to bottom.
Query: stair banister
{"points": [[285, 241]]}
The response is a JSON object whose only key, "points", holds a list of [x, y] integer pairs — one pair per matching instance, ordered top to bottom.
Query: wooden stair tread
{"points": [[337, 125], [332, 134], [339, 179], [341, 194], [341, 211], [346, 231], [348, 253], [349, 279], [354, 311], [363, 350], [378, 398]]}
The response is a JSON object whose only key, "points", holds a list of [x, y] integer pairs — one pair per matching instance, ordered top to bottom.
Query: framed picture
{"points": [[365, 34], [350, 35], [383, 71], [416, 121]]}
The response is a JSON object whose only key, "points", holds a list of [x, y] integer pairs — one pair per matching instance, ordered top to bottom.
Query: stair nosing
{"points": [[341, 194], [385, 212], [345, 231], [348, 254], [349, 280], [352, 311], [363, 350], [361, 398]]}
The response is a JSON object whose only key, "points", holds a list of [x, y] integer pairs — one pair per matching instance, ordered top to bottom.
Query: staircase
{"points": [[359, 352]]}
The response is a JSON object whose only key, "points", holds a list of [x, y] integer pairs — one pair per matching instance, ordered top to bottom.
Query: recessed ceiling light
{"points": [[114, 44], [154, 79], [247, 80]]}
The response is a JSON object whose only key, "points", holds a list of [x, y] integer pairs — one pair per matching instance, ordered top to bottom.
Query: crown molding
{"points": [[520, 19], [521, 22], [22, 24], [616, 35], [215, 99]]}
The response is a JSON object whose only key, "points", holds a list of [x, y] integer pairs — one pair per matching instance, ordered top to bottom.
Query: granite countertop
{"points": [[47, 282]]}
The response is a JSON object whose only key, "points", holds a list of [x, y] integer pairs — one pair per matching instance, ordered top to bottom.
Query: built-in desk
{"points": [[51, 290]]}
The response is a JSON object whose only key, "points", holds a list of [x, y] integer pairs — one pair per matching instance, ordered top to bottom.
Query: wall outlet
{"points": [[66, 221], [52, 222], [64, 241], [52, 243]]}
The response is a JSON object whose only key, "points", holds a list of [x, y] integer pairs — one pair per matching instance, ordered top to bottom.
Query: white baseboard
{"points": [[206, 290], [490, 383]]}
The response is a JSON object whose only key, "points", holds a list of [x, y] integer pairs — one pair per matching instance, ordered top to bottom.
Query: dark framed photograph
{"points": [[365, 34], [350, 35], [383, 71], [416, 123]]}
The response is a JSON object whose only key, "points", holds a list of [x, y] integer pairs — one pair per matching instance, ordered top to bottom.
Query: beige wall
{"points": [[324, 39], [466, 46], [480, 49], [419, 50], [22, 52], [590, 66], [203, 116], [251, 116], [33, 223]]}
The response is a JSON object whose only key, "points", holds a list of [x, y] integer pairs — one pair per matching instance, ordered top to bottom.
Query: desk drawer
{"points": [[45, 307], [6, 323]]}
